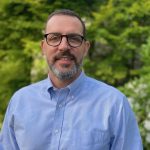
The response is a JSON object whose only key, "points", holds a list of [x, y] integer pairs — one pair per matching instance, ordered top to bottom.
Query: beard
{"points": [[66, 74]]}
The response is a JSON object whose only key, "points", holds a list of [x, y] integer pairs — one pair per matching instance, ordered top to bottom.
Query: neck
{"points": [[61, 83]]}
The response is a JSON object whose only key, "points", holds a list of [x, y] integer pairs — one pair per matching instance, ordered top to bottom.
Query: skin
{"points": [[65, 25]]}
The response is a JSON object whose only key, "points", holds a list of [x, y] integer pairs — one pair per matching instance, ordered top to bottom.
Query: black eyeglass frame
{"points": [[67, 36]]}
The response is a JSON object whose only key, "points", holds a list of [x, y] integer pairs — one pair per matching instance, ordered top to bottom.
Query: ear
{"points": [[42, 47], [87, 47]]}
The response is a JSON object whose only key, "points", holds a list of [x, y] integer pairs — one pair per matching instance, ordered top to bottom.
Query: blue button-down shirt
{"points": [[86, 115]]}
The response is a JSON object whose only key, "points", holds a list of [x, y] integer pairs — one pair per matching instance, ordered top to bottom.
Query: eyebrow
{"points": [[58, 33]]}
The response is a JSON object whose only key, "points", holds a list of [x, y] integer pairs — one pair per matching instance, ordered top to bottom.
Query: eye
{"points": [[53, 37], [74, 38]]}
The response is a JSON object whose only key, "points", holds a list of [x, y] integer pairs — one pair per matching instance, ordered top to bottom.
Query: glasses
{"points": [[54, 39]]}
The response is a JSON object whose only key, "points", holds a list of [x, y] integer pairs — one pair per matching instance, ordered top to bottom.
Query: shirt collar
{"points": [[48, 84], [75, 84], [73, 87]]}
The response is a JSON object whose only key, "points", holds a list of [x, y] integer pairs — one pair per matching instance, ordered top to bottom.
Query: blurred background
{"points": [[119, 32]]}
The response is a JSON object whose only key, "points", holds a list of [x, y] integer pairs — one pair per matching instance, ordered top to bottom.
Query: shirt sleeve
{"points": [[125, 130], [7, 135], [1, 148]]}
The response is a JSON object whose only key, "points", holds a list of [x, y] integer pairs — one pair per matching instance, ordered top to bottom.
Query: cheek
{"points": [[49, 52], [80, 54], [49, 56], [79, 57]]}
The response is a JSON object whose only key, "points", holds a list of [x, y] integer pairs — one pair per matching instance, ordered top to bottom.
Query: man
{"points": [[68, 110]]}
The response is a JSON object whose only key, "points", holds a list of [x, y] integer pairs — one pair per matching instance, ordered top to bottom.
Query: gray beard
{"points": [[66, 75]]}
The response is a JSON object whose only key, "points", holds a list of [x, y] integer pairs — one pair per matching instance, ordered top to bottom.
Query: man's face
{"points": [[64, 60]]}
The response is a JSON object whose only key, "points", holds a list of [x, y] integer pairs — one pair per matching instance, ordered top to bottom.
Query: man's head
{"points": [[67, 12], [64, 44]]}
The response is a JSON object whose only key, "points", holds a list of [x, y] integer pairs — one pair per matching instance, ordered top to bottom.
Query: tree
{"points": [[118, 30]]}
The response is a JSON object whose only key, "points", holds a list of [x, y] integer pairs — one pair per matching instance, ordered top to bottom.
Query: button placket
{"points": [[70, 98], [58, 120], [56, 131]]}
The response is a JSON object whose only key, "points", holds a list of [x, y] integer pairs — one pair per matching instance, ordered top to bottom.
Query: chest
{"points": [[73, 124]]}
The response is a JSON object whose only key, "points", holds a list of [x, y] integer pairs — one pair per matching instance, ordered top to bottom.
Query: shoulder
{"points": [[100, 86], [34, 87], [29, 91], [104, 92], [27, 95], [108, 95]]}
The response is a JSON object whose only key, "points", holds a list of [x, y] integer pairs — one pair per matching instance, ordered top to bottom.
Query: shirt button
{"points": [[71, 98], [60, 106], [56, 131]]}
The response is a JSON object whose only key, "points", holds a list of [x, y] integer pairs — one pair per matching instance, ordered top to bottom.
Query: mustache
{"points": [[64, 54]]}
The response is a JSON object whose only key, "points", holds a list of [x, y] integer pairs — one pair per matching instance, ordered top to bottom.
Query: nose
{"points": [[64, 44]]}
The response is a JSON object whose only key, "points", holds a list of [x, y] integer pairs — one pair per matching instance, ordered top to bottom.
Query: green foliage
{"points": [[119, 29], [145, 57], [39, 67], [14, 73]]}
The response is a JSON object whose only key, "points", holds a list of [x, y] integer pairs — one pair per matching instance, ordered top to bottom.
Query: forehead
{"points": [[64, 24]]}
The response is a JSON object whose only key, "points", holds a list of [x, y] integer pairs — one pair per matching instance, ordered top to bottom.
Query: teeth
{"points": [[66, 58]]}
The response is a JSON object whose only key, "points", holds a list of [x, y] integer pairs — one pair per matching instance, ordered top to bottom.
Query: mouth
{"points": [[65, 57], [65, 62]]}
